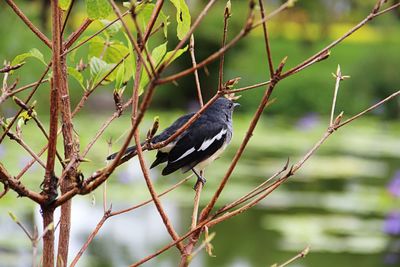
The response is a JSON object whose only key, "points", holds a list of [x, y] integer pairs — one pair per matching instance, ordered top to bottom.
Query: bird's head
{"points": [[224, 105]]}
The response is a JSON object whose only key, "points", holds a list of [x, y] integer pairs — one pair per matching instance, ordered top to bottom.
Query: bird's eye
{"points": [[230, 105]]}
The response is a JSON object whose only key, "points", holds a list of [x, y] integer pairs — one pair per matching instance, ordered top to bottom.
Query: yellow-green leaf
{"points": [[64, 4], [98, 9], [182, 18], [34, 52], [76, 75]]}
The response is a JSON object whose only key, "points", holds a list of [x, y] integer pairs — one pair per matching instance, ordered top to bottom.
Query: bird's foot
{"points": [[200, 179]]}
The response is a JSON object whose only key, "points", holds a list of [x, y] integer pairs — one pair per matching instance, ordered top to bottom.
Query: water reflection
{"points": [[343, 203]]}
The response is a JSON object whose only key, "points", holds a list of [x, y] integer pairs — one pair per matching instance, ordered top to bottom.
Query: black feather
{"points": [[194, 139]]}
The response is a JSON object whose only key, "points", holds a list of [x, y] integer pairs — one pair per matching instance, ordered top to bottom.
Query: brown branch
{"points": [[227, 15], [199, 18], [153, 19], [28, 23], [64, 24], [77, 33], [70, 40], [132, 40], [266, 40], [325, 50], [9, 68], [196, 74], [25, 87], [26, 101], [368, 109], [38, 123], [245, 141], [22, 143], [71, 146], [8, 181], [50, 181], [153, 193], [108, 214], [212, 221], [92, 235]]}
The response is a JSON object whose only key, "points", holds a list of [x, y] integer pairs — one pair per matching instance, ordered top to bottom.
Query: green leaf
{"points": [[64, 4], [128, 5], [98, 9], [144, 12], [182, 17], [113, 28], [109, 51], [34, 52], [178, 54], [157, 55], [130, 63], [98, 69], [76, 75], [119, 78]]}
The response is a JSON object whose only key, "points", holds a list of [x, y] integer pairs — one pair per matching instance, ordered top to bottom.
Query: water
{"points": [[344, 204]]}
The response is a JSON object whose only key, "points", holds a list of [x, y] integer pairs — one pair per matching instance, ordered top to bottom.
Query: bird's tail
{"points": [[129, 151]]}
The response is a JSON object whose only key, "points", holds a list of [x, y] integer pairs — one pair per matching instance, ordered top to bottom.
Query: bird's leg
{"points": [[200, 178]]}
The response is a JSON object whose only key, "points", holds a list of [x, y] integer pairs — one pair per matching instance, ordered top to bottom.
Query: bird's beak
{"points": [[236, 105]]}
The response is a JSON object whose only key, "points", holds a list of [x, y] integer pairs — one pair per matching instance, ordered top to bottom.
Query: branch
{"points": [[28, 23], [26, 101], [8, 181], [153, 193], [108, 214]]}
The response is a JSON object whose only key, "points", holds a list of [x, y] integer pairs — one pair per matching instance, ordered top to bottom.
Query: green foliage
{"points": [[64, 4], [98, 9], [144, 12], [182, 18], [33, 53], [99, 69], [74, 73]]}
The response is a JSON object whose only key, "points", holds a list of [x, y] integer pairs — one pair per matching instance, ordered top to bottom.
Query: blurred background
{"points": [[344, 203]]}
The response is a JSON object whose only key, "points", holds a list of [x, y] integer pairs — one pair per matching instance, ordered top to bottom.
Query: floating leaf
{"points": [[64, 4], [98, 9], [182, 17], [34, 52], [76, 75]]}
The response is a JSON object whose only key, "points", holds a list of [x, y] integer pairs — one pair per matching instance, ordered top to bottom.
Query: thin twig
{"points": [[227, 15], [28, 23], [72, 38], [266, 40], [196, 74], [26, 102], [153, 193], [108, 214], [302, 254]]}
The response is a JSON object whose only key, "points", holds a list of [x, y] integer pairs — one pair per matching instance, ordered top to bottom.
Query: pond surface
{"points": [[344, 203]]}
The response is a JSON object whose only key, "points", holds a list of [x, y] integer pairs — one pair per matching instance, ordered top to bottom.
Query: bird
{"points": [[199, 145]]}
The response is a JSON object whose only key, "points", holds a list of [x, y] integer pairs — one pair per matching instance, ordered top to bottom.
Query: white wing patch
{"points": [[208, 142], [185, 154]]}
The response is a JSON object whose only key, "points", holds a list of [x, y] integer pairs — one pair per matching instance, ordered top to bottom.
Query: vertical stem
{"points": [[68, 180], [50, 181], [154, 195], [48, 238]]}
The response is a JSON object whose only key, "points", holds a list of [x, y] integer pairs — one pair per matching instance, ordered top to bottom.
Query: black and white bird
{"points": [[199, 145]]}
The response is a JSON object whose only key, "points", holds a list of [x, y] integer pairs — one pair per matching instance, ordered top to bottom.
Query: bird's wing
{"points": [[166, 133], [197, 144]]}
